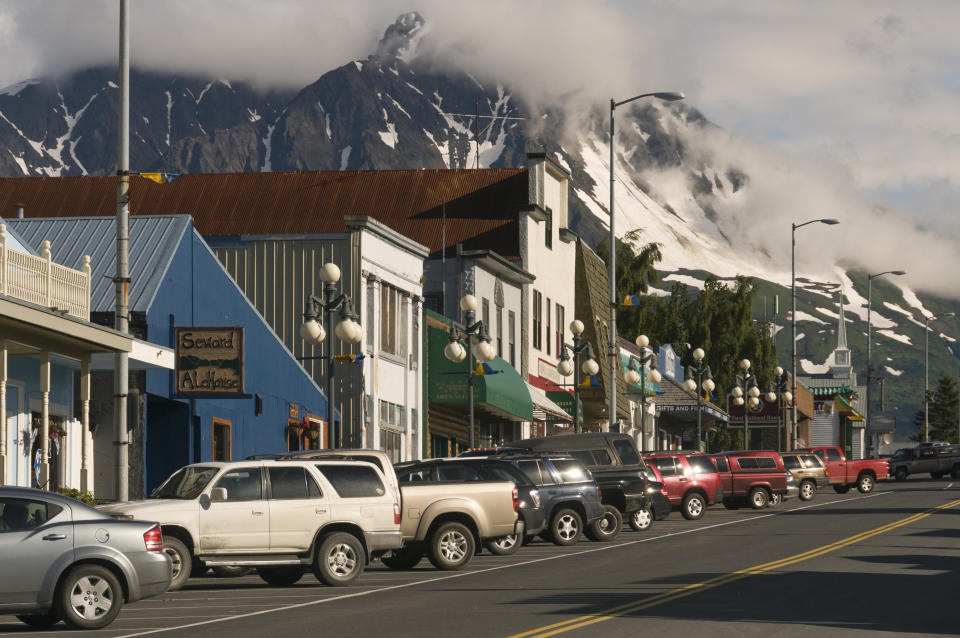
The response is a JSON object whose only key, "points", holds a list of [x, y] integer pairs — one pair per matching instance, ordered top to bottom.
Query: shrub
{"points": [[83, 497]]}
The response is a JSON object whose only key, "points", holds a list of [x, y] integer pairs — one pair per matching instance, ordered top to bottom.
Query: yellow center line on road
{"points": [[689, 590]]}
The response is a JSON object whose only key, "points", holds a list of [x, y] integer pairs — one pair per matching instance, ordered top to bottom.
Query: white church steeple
{"points": [[841, 367]]}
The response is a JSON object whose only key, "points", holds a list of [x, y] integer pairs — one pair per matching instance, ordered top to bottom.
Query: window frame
{"points": [[214, 422]]}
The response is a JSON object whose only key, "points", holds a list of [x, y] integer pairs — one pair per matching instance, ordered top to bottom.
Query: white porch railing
{"points": [[40, 281]]}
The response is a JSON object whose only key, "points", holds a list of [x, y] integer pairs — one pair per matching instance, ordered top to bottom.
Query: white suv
{"points": [[282, 517]]}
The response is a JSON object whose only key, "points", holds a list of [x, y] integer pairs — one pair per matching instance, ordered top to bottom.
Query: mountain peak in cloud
{"points": [[401, 38]]}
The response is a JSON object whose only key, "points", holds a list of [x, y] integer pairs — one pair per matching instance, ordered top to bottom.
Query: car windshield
{"points": [[185, 483]]}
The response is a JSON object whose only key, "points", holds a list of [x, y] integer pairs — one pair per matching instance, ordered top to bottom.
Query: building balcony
{"points": [[39, 281]]}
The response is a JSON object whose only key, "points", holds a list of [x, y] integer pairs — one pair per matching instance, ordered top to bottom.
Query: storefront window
{"points": [[222, 443]]}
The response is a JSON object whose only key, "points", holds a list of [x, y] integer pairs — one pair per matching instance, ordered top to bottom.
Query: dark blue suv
{"points": [[569, 495]]}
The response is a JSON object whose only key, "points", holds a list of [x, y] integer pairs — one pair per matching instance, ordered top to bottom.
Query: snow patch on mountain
{"points": [[169, 110], [345, 158], [19, 160], [693, 282], [914, 302], [905, 313], [803, 316], [890, 334], [947, 338], [809, 367], [893, 371]]}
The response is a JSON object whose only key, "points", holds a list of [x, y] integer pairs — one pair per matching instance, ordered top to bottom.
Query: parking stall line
{"points": [[574, 551], [689, 590]]}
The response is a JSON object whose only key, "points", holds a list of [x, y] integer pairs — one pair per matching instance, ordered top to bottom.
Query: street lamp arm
{"points": [[667, 96]]}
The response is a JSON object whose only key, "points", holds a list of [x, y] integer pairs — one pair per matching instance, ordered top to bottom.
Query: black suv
{"points": [[616, 465], [568, 492], [530, 509]]}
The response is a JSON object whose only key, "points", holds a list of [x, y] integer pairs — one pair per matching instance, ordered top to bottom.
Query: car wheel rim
{"points": [[866, 483], [807, 491], [758, 499], [694, 507], [641, 518], [567, 528], [507, 542], [453, 546], [342, 559], [176, 562], [91, 597]]}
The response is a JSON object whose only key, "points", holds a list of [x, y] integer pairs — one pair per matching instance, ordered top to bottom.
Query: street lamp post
{"points": [[870, 279], [793, 317], [313, 331], [612, 350], [482, 351], [566, 367], [926, 372], [635, 376], [696, 382], [746, 393], [779, 393]]}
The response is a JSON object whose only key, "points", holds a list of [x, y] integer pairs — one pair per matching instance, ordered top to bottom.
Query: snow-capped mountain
{"points": [[395, 110]]}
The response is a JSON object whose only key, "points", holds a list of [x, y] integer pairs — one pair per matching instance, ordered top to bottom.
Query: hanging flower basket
{"points": [[295, 430], [57, 432], [314, 433]]}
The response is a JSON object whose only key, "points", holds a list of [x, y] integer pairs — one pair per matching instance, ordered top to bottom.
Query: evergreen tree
{"points": [[943, 411]]}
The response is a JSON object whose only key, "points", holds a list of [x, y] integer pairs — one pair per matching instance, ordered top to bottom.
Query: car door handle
{"points": [[683, 480], [553, 491], [320, 510], [256, 513], [54, 537]]}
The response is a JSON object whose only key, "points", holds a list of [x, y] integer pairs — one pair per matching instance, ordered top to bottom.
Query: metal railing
{"points": [[39, 281]]}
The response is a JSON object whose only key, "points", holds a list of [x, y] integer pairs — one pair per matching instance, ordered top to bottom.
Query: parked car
{"points": [[937, 460], [616, 465], [808, 471], [844, 473], [750, 477], [691, 480], [570, 495], [659, 507], [532, 515], [284, 517], [444, 521], [63, 560]]}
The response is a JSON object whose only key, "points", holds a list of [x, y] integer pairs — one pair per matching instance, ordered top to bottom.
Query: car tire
{"points": [[955, 472], [900, 474], [865, 483], [808, 489], [841, 489], [758, 498], [775, 499], [693, 507], [641, 520], [566, 527], [607, 528], [505, 545], [451, 546], [406, 557], [340, 560], [181, 562], [231, 571], [281, 576], [89, 597], [39, 620]]}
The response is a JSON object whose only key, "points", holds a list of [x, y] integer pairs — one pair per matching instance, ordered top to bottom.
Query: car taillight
{"points": [[826, 472], [663, 490], [535, 498], [516, 499], [396, 513], [153, 539]]}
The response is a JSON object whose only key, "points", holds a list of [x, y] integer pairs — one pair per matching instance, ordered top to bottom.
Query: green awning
{"points": [[500, 390], [565, 401]]}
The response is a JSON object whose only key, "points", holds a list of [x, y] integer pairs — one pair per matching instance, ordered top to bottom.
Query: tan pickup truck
{"points": [[445, 520]]}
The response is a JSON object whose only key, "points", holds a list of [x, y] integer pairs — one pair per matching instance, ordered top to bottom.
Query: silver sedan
{"points": [[63, 560]]}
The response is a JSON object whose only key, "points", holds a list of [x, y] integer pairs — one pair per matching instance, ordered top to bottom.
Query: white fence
{"points": [[40, 281]]}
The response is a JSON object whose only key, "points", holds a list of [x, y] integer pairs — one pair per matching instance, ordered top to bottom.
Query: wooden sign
{"points": [[209, 360]]}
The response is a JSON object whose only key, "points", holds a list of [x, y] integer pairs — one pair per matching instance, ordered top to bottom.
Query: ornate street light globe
{"points": [[330, 273], [468, 302], [576, 327], [312, 332], [354, 333], [643, 341], [484, 351], [455, 352], [698, 354], [745, 364], [590, 366], [565, 367], [778, 371], [654, 376], [632, 377], [690, 385], [709, 385], [737, 392], [754, 392], [771, 397], [788, 397], [738, 401], [753, 402]]}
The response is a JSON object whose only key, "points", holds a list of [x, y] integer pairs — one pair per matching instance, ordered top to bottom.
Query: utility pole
{"points": [[476, 128], [122, 278]]}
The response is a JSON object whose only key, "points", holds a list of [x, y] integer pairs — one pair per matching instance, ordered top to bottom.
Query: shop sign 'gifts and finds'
{"points": [[210, 360]]}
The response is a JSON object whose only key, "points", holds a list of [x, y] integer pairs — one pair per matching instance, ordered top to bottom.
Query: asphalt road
{"points": [[852, 564]]}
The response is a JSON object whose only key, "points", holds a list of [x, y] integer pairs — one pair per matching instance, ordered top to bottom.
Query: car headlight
{"points": [[535, 497]]}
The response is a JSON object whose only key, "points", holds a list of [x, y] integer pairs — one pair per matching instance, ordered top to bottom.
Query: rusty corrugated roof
{"points": [[482, 206]]}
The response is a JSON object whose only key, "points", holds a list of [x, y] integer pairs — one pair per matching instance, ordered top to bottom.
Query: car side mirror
{"points": [[218, 494], [204, 501]]}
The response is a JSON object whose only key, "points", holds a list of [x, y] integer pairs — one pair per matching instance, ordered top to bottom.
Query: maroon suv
{"points": [[750, 477], [690, 478]]}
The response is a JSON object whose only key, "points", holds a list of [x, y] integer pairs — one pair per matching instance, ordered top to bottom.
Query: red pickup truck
{"points": [[845, 474], [755, 478]]}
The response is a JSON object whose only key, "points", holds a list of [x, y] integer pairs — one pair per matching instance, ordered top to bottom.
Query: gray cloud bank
{"points": [[859, 98]]}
